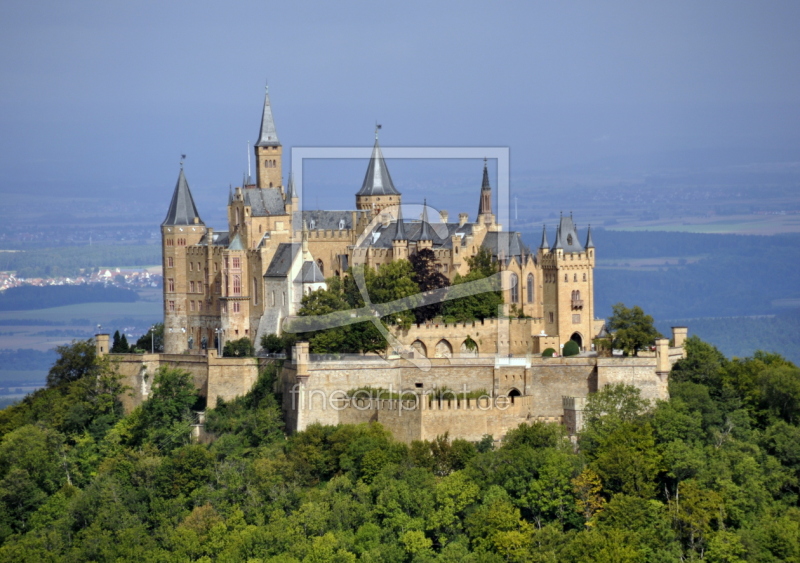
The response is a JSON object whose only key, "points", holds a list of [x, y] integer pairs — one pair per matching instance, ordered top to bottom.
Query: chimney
{"points": [[444, 215], [462, 219]]}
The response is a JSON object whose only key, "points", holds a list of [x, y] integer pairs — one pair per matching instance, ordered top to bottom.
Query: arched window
{"points": [[237, 215], [321, 266], [584, 276], [566, 277], [575, 277], [237, 285], [514, 288], [530, 288], [255, 291], [272, 299]]}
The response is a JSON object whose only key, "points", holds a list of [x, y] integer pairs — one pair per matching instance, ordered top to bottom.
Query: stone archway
{"points": [[576, 336], [443, 349], [420, 350], [466, 352], [513, 394]]}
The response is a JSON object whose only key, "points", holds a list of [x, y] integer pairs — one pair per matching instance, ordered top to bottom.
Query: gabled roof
{"points": [[268, 136], [377, 180], [264, 201], [182, 210], [328, 220], [505, 243], [282, 260], [310, 273]]}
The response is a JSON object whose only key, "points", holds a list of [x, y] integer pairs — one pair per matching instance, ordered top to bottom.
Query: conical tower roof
{"points": [[268, 136], [377, 180], [290, 191], [485, 204], [182, 210], [400, 233], [425, 233], [589, 241], [545, 245]]}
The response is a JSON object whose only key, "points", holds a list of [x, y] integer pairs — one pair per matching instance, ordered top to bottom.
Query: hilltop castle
{"points": [[244, 281]]}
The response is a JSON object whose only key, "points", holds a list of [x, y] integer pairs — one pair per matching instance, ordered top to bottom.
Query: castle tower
{"points": [[268, 150], [378, 191], [485, 205], [181, 229], [400, 239], [425, 239], [571, 298]]}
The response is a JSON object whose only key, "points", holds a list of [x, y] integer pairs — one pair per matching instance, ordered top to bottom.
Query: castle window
{"points": [[266, 164], [237, 215], [170, 262], [237, 262], [191, 266], [321, 266], [215, 267], [584, 276], [566, 277], [575, 277], [170, 284], [237, 285], [191, 286], [218, 286], [514, 288], [530, 288], [255, 291], [284, 298], [272, 299], [577, 302], [191, 305], [171, 306], [200, 306], [236, 307], [551, 317]]}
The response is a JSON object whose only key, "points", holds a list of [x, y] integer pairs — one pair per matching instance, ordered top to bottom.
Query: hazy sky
{"points": [[106, 95]]}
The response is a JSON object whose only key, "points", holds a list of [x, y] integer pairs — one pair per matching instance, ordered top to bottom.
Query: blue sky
{"points": [[103, 97]]}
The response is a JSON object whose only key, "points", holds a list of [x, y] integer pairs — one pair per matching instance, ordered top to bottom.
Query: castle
{"points": [[244, 282]]}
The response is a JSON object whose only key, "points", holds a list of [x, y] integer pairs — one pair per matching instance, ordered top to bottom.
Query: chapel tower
{"points": [[268, 150], [378, 191]]}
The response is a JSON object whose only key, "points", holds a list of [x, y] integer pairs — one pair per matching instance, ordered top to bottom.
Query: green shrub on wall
{"points": [[571, 348], [548, 353]]}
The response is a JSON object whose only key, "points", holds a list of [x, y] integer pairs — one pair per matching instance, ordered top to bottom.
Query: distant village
{"points": [[130, 278]]}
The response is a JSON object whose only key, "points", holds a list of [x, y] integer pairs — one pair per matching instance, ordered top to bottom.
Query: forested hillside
{"points": [[70, 260], [713, 475]]}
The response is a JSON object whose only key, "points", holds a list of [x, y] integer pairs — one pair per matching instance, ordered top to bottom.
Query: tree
{"points": [[427, 278], [482, 305], [632, 329], [153, 339], [240, 348], [75, 360]]}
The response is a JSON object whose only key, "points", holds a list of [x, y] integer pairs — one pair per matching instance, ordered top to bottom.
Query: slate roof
{"points": [[268, 136], [377, 181], [264, 201], [182, 210], [328, 220], [439, 233], [567, 236], [589, 241], [236, 243], [506, 243], [544, 245], [282, 260], [310, 273]]}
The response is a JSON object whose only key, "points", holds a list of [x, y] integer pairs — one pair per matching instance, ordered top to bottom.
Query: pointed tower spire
{"points": [[268, 136], [290, 191], [377, 191], [485, 205], [182, 210], [400, 233], [425, 233], [589, 241], [559, 243], [545, 245]]}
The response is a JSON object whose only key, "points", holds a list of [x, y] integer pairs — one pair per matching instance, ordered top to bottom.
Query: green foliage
{"points": [[70, 260], [427, 278], [482, 305], [632, 329], [152, 340], [119, 344], [242, 347], [571, 348], [548, 352], [75, 361], [710, 475]]}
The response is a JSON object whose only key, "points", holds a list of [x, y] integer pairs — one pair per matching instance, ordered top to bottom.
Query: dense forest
{"points": [[70, 260], [28, 297], [713, 474]]}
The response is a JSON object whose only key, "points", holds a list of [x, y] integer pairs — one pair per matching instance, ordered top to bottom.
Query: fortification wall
{"points": [[636, 371], [212, 376]]}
